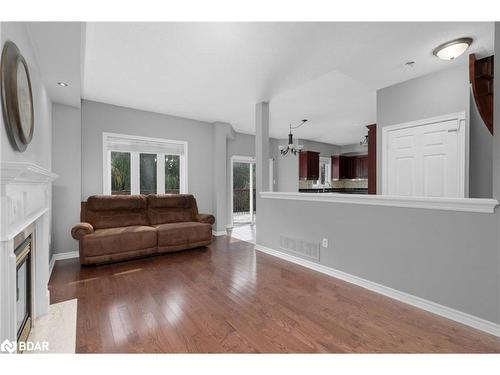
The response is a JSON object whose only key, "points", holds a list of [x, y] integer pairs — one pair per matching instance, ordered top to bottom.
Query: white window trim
{"points": [[463, 134], [134, 164], [328, 177]]}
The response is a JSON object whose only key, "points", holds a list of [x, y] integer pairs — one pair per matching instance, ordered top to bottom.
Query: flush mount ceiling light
{"points": [[452, 49], [63, 84], [292, 147]]}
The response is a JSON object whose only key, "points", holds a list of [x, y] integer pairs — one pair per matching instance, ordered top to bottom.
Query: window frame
{"points": [[135, 163], [328, 171]]}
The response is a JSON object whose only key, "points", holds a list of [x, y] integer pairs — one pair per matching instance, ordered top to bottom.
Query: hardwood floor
{"points": [[230, 298]]}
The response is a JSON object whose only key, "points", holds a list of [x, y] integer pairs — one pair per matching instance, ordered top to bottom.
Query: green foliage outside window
{"points": [[120, 172], [172, 174]]}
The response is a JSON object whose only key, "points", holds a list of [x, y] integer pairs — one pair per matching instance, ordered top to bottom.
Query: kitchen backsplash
{"points": [[338, 184], [350, 184]]}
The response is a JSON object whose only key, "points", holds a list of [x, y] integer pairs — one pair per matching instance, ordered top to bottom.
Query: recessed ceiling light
{"points": [[452, 49], [63, 84]]}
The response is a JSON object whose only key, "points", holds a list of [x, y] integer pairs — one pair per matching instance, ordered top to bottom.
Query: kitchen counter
{"points": [[336, 190]]}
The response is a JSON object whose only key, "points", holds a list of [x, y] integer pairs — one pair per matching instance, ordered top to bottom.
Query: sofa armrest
{"points": [[205, 218], [80, 230]]}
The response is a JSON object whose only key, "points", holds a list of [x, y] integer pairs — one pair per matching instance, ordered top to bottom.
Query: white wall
{"points": [[100, 117], [39, 150], [66, 162]]}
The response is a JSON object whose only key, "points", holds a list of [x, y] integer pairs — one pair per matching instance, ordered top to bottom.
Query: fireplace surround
{"points": [[25, 202], [23, 252]]}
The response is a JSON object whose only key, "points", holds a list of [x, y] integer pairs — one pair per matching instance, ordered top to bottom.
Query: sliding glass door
{"points": [[243, 191]]}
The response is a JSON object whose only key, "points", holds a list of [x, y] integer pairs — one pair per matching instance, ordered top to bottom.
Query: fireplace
{"points": [[25, 190], [23, 254]]}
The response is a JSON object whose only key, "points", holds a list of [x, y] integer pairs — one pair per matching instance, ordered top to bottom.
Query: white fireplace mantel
{"points": [[24, 196], [25, 200]]}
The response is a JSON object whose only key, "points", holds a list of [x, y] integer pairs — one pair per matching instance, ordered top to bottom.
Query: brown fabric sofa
{"points": [[118, 227]]}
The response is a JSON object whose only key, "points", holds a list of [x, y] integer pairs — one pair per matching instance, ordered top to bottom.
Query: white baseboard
{"points": [[219, 233], [61, 256], [447, 312]]}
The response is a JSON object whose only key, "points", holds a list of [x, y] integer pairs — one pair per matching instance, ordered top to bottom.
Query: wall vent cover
{"points": [[299, 246]]}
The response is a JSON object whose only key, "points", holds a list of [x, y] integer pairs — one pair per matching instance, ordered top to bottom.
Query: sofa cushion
{"points": [[171, 208], [109, 211], [186, 233], [119, 240]]}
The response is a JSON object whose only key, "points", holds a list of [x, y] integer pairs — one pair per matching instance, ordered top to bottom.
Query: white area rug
{"points": [[58, 328]]}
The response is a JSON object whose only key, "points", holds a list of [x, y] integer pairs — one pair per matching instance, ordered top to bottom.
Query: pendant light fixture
{"points": [[364, 141], [291, 147]]}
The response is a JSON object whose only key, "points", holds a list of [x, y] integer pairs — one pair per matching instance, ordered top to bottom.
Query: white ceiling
{"points": [[58, 49], [326, 72]]}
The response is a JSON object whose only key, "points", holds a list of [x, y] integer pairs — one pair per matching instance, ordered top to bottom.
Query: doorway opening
{"points": [[243, 199]]}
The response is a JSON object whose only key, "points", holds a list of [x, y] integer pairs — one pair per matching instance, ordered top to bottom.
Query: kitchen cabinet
{"points": [[372, 159], [309, 165], [340, 167], [349, 167], [361, 167]]}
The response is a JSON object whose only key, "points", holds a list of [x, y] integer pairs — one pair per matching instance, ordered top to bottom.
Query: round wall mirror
{"points": [[17, 97]]}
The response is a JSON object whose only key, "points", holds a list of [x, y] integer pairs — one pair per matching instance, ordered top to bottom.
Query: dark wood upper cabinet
{"points": [[481, 76], [372, 159], [309, 165], [362, 166], [335, 167], [341, 167], [349, 167]]}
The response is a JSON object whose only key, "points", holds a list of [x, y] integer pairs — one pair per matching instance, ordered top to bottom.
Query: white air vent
{"points": [[301, 247]]}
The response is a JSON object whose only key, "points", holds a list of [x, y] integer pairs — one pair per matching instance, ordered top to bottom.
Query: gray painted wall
{"points": [[436, 94], [99, 117], [496, 117], [221, 133], [496, 146], [354, 148], [324, 149], [481, 156], [66, 162], [447, 257]]}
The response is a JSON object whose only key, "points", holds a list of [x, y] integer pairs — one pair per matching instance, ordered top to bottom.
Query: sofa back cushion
{"points": [[171, 208], [110, 211]]}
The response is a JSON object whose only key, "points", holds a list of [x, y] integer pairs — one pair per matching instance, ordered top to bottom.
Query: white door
{"points": [[425, 158]]}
